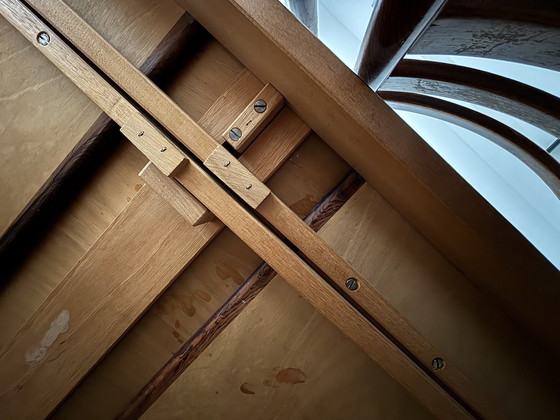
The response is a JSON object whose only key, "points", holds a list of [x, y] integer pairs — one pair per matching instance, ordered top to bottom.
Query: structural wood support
{"points": [[393, 28], [397, 162]]}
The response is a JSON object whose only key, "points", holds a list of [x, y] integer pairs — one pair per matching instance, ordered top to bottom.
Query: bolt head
{"points": [[43, 38], [260, 106], [235, 134], [351, 284], [438, 363]]}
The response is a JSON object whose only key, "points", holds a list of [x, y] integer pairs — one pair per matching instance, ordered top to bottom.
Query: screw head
{"points": [[43, 38], [260, 106], [140, 134], [235, 134], [163, 149], [227, 163], [249, 186], [351, 284], [438, 363]]}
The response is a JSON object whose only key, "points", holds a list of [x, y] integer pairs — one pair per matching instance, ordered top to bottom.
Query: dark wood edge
{"points": [[546, 12], [393, 27], [483, 80], [94, 147], [536, 158], [233, 306]]}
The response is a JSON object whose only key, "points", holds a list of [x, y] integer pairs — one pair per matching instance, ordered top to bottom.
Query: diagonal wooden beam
{"points": [[393, 27], [95, 145], [391, 157], [238, 301]]}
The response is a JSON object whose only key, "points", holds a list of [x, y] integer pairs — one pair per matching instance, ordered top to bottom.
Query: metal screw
{"points": [[43, 38], [260, 106], [140, 134], [235, 134], [163, 149], [227, 163], [249, 186], [352, 284], [438, 363]]}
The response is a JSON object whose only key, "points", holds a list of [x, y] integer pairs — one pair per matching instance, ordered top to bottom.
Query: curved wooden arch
{"points": [[520, 42], [483, 80], [480, 97], [536, 158]]}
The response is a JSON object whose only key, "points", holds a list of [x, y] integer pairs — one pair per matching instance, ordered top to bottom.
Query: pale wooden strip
{"points": [[230, 104], [252, 121], [150, 141], [275, 144], [236, 176], [181, 200], [128, 267], [325, 299]]}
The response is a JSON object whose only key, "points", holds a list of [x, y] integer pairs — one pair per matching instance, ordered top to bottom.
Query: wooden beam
{"points": [[546, 12], [307, 13], [393, 27], [498, 39], [481, 80], [544, 121], [94, 146], [533, 156], [391, 157], [238, 301]]}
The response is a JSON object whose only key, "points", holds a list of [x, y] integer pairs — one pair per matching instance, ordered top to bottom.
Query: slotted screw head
{"points": [[43, 38], [260, 106], [235, 134], [351, 284], [438, 363]]}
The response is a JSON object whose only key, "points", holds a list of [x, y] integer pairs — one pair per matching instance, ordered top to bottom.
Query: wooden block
{"points": [[229, 105], [253, 119], [150, 141], [275, 144], [224, 165], [181, 200]]}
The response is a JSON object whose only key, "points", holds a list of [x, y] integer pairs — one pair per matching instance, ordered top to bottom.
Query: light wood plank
{"points": [[251, 122], [181, 200], [130, 272]]}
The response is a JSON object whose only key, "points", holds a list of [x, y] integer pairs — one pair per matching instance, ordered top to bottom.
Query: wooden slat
{"points": [[230, 104], [391, 157], [185, 204]]}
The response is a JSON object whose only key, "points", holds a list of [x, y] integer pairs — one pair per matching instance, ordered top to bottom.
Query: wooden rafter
{"points": [[393, 28]]}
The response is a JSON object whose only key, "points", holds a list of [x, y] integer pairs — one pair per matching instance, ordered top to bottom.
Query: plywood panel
{"points": [[196, 294], [281, 359]]}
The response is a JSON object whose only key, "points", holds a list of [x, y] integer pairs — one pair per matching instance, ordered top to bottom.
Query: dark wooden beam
{"points": [[546, 12], [307, 13], [394, 26], [519, 42], [483, 80], [476, 96], [94, 147], [536, 158], [233, 306]]}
